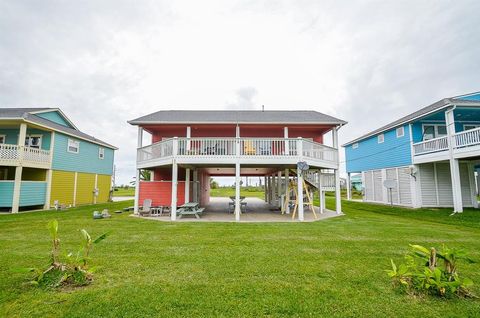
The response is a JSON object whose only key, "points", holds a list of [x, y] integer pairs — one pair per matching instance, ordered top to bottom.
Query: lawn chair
{"points": [[248, 148], [146, 209]]}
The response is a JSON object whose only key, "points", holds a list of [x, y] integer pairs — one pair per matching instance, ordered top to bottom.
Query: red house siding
{"points": [[161, 192]]}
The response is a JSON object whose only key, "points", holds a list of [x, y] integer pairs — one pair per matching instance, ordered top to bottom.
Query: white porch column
{"points": [[189, 135], [287, 146], [454, 166], [18, 170], [137, 175], [187, 185], [265, 187], [349, 187], [279, 188], [473, 188], [16, 189], [237, 191], [320, 192], [48, 193], [300, 194], [287, 195], [338, 199], [173, 214]]}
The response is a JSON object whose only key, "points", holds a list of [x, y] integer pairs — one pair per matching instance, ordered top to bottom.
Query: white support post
{"points": [[237, 131], [189, 135], [287, 146], [454, 166], [137, 173], [48, 178], [75, 179], [471, 179], [187, 185], [265, 187], [349, 187], [279, 188], [16, 189], [95, 190], [237, 191], [269, 192], [320, 192], [287, 194], [300, 194], [338, 199], [173, 208]]}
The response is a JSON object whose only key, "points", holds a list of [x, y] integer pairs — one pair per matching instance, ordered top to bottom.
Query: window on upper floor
{"points": [[469, 127], [431, 131], [400, 132], [381, 138], [3, 139], [33, 141], [355, 145], [73, 146], [101, 153]]}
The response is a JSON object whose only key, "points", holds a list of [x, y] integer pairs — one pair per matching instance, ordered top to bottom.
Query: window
{"points": [[468, 127], [434, 131], [400, 132], [381, 138], [3, 139], [33, 141], [355, 145], [73, 146], [101, 153]]}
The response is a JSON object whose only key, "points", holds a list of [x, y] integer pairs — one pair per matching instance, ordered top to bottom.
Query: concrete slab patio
{"points": [[257, 211]]}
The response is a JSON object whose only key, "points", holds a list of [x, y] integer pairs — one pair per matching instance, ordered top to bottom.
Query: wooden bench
{"points": [[196, 212]]}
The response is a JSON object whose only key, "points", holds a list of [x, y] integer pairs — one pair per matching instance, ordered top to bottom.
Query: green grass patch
{"points": [[122, 192], [256, 192], [332, 268]]}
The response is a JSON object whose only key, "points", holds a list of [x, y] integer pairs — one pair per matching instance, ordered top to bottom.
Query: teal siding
{"points": [[55, 117], [12, 136], [393, 152], [85, 161], [32, 193], [6, 194]]}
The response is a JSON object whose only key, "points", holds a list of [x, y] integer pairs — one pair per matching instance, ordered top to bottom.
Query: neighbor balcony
{"points": [[464, 144], [224, 150], [14, 155]]}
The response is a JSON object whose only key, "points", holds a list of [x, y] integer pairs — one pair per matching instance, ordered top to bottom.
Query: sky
{"points": [[106, 62]]}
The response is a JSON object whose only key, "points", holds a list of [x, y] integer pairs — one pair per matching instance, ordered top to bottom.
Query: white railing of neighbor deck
{"points": [[432, 145]]}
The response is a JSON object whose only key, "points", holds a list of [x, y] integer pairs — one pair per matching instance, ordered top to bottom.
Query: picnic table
{"points": [[231, 205], [190, 208]]}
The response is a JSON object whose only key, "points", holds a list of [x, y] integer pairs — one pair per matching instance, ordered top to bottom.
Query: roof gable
{"points": [[56, 116]]}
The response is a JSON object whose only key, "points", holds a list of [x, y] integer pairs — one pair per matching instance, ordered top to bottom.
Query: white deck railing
{"points": [[467, 138], [462, 139], [432, 145], [233, 147], [14, 154]]}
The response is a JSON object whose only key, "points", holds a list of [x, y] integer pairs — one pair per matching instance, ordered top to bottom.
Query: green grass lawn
{"points": [[229, 191], [121, 192], [151, 268]]}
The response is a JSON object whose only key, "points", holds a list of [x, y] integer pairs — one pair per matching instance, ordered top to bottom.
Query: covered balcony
{"points": [[464, 144], [228, 150], [15, 155]]}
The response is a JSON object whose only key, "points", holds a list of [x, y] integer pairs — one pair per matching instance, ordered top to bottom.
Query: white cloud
{"points": [[106, 62]]}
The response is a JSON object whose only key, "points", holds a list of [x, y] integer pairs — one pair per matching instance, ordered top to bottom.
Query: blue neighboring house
{"points": [[431, 155]]}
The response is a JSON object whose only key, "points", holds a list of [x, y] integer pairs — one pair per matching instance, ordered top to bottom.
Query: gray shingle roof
{"points": [[435, 107], [25, 113], [237, 116]]}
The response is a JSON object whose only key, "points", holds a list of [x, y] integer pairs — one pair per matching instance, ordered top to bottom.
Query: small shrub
{"points": [[68, 269], [422, 274]]}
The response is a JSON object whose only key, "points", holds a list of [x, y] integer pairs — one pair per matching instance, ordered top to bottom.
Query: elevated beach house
{"points": [[189, 147], [430, 156], [45, 159]]}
